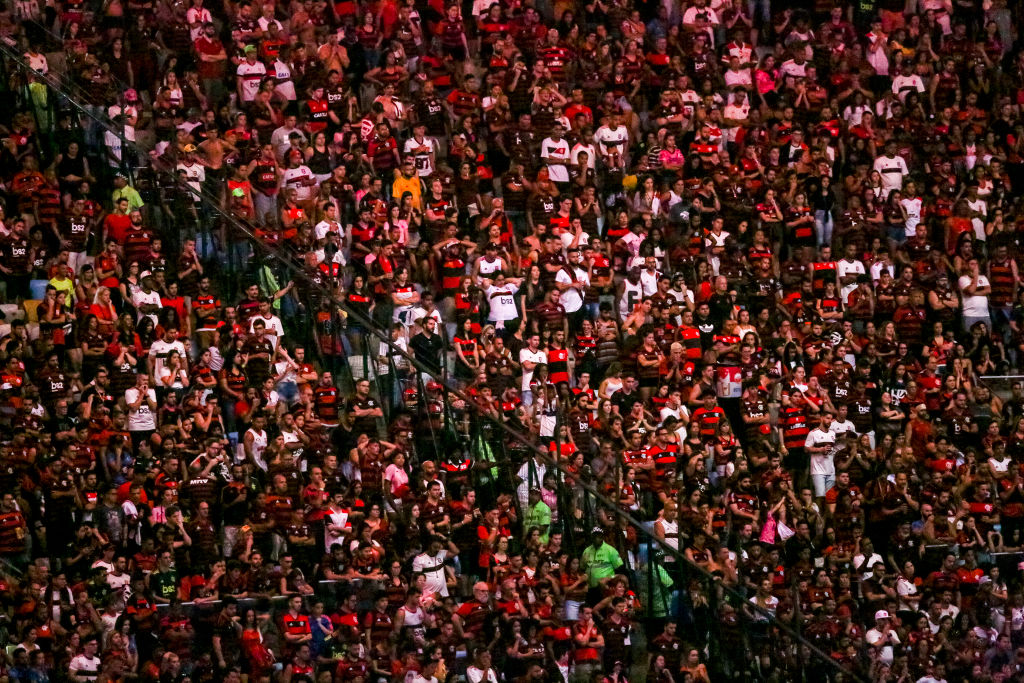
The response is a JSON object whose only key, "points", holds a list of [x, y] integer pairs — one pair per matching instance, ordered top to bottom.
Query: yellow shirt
{"points": [[413, 186], [130, 193], [67, 286]]}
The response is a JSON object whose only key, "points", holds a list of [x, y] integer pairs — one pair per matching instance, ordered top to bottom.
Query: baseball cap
{"points": [[249, 49], [881, 614]]}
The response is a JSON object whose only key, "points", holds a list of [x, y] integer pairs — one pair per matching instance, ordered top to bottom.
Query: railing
{"points": [[716, 617]]}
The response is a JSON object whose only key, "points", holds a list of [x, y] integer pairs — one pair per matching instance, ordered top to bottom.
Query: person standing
{"points": [[975, 288], [141, 400], [821, 445]]}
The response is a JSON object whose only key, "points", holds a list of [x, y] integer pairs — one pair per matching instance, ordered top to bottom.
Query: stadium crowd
{"points": [[748, 269]]}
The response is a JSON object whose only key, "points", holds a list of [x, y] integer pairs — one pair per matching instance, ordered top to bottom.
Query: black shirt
{"points": [[427, 350]]}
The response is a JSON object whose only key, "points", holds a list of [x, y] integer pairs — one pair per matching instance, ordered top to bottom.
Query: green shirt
{"points": [[133, 197], [66, 285], [538, 515], [600, 563], [655, 590]]}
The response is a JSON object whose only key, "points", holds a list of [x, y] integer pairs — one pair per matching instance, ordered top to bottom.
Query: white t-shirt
{"points": [[691, 14], [197, 15], [265, 23], [791, 68], [251, 76], [738, 77], [901, 85], [284, 86], [129, 112], [737, 112], [609, 140], [113, 143], [556, 153], [591, 154], [423, 159], [892, 171], [195, 173], [294, 177], [912, 205], [981, 206], [324, 227], [567, 237], [878, 266], [844, 268], [649, 280], [140, 298], [572, 298], [503, 302], [974, 306], [275, 330], [160, 351], [537, 356], [141, 419], [840, 428], [821, 463], [337, 518], [433, 569], [120, 583], [905, 587], [771, 604], [874, 637], [85, 667], [475, 675]]}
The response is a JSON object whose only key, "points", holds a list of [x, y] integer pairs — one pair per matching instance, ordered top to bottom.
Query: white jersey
{"points": [[197, 16], [250, 75], [283, 84], [901, 85], [609, 140], [423, 153], [556, 154], [591, 154], [892, 171], [195, 175], [294, 177], [912, 205], [487, 268], [846, 268], [649, 282], [631, 295], [572, 298], [502, 301], [275, 330], [160, 352], [525, 354], [142, 418], [259, 444], [823, 463], [337, 518], [671, 530], [432, 567]]}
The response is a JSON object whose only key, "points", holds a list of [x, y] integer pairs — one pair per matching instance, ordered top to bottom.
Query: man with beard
{"points": [[429, 110], [520, 143], [744, 503]]}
